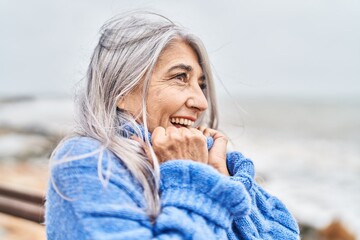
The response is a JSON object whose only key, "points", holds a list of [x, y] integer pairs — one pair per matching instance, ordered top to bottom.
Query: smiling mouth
{"points": [[182, 122]]}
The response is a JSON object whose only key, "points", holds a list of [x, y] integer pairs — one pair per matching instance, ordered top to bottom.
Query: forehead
{"points": [[178, 52]]}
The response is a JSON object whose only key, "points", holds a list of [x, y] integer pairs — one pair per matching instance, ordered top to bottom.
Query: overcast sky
{"points": [[277, 47]]}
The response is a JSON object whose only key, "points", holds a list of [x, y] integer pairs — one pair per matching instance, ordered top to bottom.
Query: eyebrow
{"points": [[181, 66]]}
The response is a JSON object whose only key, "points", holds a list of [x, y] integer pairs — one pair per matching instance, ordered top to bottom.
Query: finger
{"points": [[202, 128], [171, 130], [195, 131], [205, 131], [158, 132], [209, 132], [173, 133], [197, 134], [214, 134], [220, 143]]}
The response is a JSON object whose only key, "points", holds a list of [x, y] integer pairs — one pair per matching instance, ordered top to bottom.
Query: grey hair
{"points": [[124, 59]]}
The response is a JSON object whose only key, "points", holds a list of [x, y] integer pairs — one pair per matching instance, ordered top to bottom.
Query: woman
{"points": [[142, 163]]}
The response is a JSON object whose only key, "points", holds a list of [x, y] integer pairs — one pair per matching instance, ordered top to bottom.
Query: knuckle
{"points": [[171, 128], [176, 138], [199, 139], [157, 141], [156, 144]]}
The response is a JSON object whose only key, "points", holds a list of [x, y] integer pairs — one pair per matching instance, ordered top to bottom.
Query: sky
{"points": [[258, 48]]}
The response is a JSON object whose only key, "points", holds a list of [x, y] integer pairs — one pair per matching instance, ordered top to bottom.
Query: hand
{"points": [[179, 143], [217, 154]]}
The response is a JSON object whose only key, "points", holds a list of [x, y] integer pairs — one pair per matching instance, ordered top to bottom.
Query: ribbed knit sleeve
{"points": [[201, 192], [197, 202], [268, 218]]}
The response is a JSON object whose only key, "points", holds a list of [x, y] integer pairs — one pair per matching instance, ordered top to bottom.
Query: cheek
{"points": [[158, 92], [162, 103], [155, 106], [162, 107]]}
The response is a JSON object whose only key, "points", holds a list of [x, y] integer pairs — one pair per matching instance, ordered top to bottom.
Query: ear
{"points": [[121, 103]]}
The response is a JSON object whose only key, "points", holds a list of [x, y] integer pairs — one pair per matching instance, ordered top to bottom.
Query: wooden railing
{"points": [[23, 204]]}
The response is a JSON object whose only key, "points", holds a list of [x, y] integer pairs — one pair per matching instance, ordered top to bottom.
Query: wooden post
{"points": [[22, 204]]}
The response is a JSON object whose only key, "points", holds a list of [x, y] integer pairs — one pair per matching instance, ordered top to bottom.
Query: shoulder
{"points": [[77, 145], [77, 148], [83, 153], [84, 160]]}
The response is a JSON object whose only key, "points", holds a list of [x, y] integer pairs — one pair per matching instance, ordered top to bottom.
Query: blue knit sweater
{"points": [[197, 202]]}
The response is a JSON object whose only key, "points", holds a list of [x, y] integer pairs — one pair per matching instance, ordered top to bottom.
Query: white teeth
{"points": [[182, 121]]}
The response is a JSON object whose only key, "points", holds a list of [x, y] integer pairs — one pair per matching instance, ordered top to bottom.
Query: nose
{"points": [[197, 99]]}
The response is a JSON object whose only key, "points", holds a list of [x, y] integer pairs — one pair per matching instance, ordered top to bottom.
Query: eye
{"points": [[181, 76], [202, 83], [203, 86]]}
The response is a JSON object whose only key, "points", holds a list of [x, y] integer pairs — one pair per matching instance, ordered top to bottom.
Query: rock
{"points": [[336, 231]]}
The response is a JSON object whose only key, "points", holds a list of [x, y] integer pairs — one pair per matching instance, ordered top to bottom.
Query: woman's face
{"points": [[175, 96]]}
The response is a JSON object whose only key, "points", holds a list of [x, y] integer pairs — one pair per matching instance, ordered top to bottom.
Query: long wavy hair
{"points": [[124, 59]]}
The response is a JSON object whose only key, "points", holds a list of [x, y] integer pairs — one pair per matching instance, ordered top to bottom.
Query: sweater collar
{"points": [[129, 130]]}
